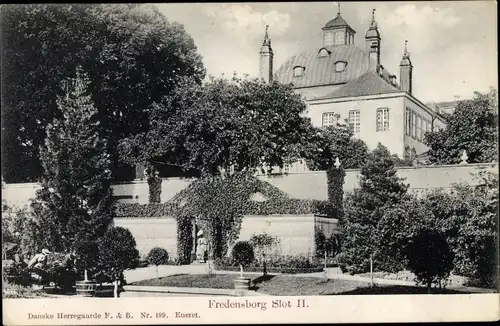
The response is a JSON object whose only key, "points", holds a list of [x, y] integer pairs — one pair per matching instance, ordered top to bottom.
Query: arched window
{"points": [[339, 38], [323, 53], [340, 66], [298, 71]]}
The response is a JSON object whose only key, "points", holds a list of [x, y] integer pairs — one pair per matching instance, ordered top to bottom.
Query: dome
{"points": [[321, 70]]}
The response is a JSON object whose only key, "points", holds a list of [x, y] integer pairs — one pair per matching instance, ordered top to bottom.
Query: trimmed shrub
{"points": [[117, 253], [243, 254], [158, 256]]}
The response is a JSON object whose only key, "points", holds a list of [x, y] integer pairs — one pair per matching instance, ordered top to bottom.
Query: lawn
{"points": [[283, 285]]}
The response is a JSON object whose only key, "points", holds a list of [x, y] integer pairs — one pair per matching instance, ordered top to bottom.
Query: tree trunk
{"points": [[241, 271], [156, 272], [85, 275], [115, 290]]}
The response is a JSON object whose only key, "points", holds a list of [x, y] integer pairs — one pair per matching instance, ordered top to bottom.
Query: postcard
{"points": [[197, 163]]}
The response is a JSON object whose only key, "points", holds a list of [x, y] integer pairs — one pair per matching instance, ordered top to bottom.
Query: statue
{"points": [[201, 247]]}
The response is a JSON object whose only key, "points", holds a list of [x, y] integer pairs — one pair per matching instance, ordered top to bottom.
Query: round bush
{"points": [[243, 253], [158, 256]]}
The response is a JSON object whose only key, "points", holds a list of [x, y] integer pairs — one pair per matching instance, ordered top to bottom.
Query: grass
{"points": [[270, 284], [283, 285]]}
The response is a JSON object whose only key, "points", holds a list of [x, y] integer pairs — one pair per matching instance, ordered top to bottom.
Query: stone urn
{"points": [[241, 286]]}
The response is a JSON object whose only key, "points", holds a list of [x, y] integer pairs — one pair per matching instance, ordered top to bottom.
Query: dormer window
{"points": [[323, 53], [340, 66], [298, 71]]}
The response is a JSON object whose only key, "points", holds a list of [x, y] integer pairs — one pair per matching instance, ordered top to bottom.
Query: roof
{"points": [[337, 22], [321, 70], [368, 84]]}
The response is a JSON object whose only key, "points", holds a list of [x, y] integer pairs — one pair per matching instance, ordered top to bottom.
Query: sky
{"points": [[453, 45]]}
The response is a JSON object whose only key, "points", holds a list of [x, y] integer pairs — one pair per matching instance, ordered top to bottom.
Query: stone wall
{"points": [[307, 185], [152, 232], [295, 232]]}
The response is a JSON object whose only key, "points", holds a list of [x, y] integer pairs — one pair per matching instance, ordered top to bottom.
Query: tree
{"points": [[133, 57], [223, 125], [473, 127], [326, 144], [380, 189], [76, 194], [473, 230], [117, 253], [243, 254], [157, 256], [429, 257]]}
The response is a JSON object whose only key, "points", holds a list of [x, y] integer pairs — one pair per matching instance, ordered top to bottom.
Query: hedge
{"points": [[290, 206]]}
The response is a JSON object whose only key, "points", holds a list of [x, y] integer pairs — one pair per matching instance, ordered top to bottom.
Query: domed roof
{"points": [[320, 70]]}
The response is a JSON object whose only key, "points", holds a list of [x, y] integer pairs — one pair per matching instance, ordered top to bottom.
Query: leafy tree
{"points": [[132, 54], [223, 125], [472, 127], [326, 144], [380, 188], [76, 194], [473, 230], [117, 253], [243, 254], [157, 256], [429, 257]]}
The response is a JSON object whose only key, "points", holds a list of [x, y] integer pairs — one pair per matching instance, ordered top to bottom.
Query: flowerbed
{"points": [[286, 264], [274, 270], [453, 280]]}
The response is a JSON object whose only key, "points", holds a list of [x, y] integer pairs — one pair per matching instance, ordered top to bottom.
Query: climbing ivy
{"points": [[335, 178], [154, 185], [184, 239]]}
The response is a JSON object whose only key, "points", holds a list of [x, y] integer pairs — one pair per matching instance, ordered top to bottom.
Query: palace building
{"points": [[343, 83]]}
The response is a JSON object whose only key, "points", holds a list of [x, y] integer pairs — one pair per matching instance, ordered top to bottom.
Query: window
{"points": [[328, 38], [339, 38], [323, 53], [340, 66], [298, 71], [330, 119], [383, 119], [354, 120], [408, 122], [413, 124], [424, 127], [419, 129], [422, 130]]}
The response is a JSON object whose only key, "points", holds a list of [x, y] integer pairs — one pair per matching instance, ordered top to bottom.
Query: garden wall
{"points": [[308, 185], [152, 232], [296, 232]]}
